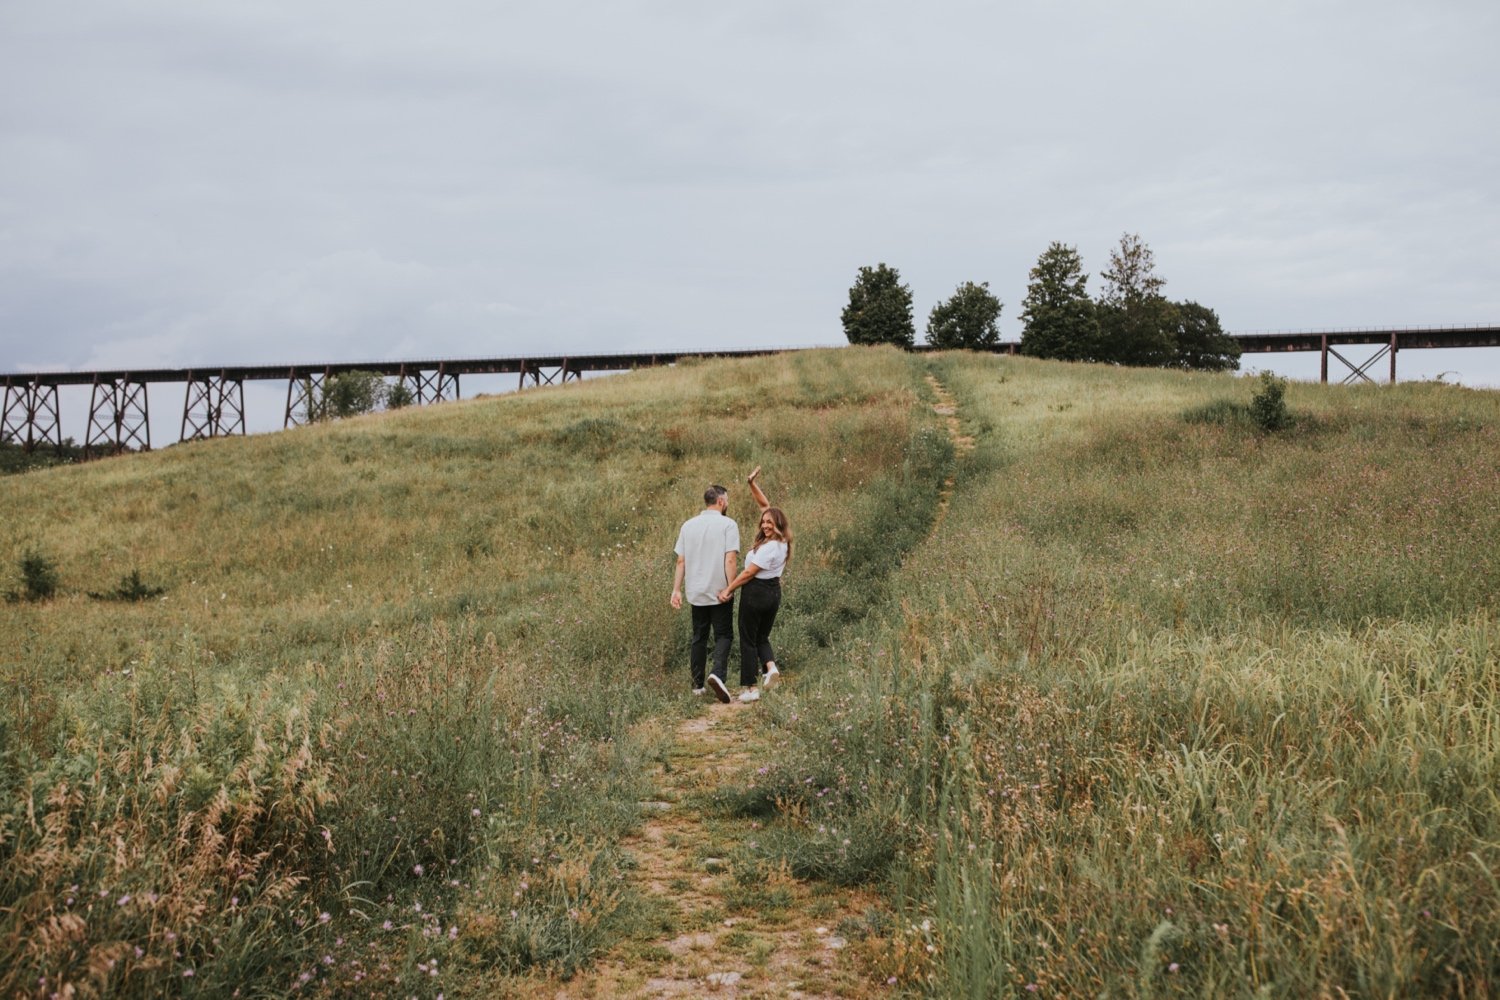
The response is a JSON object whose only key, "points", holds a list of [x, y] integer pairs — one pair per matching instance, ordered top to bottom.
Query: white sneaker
{"points": [[772, 675], [717, 687], [700, 691], [751, 694]]}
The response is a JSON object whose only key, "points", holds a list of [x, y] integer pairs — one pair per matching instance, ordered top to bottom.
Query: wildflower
{"points": [[473, 812], [416, 869], [123, 900], [324, 917], [1173, 967], [187, 973]]}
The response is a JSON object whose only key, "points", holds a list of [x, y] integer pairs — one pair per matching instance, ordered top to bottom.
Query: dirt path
{"points": [[947, 408], [727, 933], [722, 934]]}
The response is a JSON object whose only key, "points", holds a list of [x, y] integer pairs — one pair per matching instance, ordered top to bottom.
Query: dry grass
{"points": [[1160, 705], [1167, 707], [373, 735]]}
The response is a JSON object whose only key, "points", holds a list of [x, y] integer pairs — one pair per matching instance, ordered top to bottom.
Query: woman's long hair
{"points": [[783, 531]]}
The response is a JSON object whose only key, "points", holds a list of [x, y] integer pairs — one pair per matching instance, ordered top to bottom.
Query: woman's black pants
{"points": [[758, 605]]}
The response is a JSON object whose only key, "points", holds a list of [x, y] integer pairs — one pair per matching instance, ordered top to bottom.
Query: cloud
{"points": [[187, 183]]}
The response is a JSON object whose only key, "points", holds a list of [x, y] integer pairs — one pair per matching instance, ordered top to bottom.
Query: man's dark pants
{"points": [[721, 618]]}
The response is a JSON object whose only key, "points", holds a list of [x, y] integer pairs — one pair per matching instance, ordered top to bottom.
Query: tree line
{"points": [[1130, 323]]}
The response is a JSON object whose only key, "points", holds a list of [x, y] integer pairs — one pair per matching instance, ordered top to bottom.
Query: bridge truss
{"points": [[214, 399]]}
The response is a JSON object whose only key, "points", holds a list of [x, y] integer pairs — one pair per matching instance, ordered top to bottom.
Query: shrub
{"points": [[1268, 404], [38, 578]]}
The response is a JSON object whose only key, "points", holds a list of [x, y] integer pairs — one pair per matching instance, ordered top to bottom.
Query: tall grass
{"points": [[397, 696], [1163, 705], [1172, 707]]}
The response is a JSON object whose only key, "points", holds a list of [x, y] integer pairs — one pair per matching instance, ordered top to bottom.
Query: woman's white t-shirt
{"points": [[770, 558]]}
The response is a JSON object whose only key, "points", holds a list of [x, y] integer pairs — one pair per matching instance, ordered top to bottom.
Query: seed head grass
{"points": [[399, 688], [1162, 704], [1171, 706]]}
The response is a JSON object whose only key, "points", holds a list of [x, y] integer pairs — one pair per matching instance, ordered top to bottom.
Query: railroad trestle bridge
{"points": [[214, 398], [119, 416]]}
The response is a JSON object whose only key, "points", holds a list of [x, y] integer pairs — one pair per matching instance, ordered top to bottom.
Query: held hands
{"points": [[726, 595]]}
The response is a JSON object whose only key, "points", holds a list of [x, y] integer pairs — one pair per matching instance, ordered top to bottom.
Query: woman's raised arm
{"points": [[756, 491]]}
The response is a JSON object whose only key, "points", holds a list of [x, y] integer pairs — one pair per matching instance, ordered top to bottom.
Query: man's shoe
{"points": [[772, 675], [717, 687], [699, 691], [751, 694]]}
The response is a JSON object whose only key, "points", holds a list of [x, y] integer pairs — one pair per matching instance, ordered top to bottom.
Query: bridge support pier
{"points": [[1357, 373], [550, 374], [433, 386], [302, 397], [213, 407], [31, 415], [118, 417]]}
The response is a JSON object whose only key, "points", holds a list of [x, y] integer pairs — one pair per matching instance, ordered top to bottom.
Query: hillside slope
{"points": [[1121, 697], [1170, 706], [394, 707]]}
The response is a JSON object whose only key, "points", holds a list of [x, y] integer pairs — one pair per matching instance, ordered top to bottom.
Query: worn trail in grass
{"points": [[947, 408], [724, 928], [728, 928]]}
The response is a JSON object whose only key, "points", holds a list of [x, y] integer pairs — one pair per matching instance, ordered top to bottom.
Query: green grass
{"points": [[394, 695], [1163, 705], [1170, 706]]}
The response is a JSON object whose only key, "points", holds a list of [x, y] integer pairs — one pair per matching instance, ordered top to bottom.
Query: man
{"points": [[708, 555]]}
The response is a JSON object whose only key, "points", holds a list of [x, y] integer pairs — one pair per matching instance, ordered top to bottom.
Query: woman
{"points": [[761, 579]]}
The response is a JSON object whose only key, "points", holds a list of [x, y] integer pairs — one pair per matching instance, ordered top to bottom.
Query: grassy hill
{"points": [[1146, 702]]}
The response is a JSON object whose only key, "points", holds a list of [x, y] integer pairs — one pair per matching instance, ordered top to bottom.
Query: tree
{"points": [[879, 309], [1059, 315], [1135, 319], [967, 320], [1201, 341], [346, 394], [398, 395]]}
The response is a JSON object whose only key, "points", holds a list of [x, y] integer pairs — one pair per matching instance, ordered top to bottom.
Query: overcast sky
{"points": [[186, 182]]}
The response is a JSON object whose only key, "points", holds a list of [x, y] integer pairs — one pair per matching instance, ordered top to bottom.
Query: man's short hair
{"points": [[712, 494]]}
